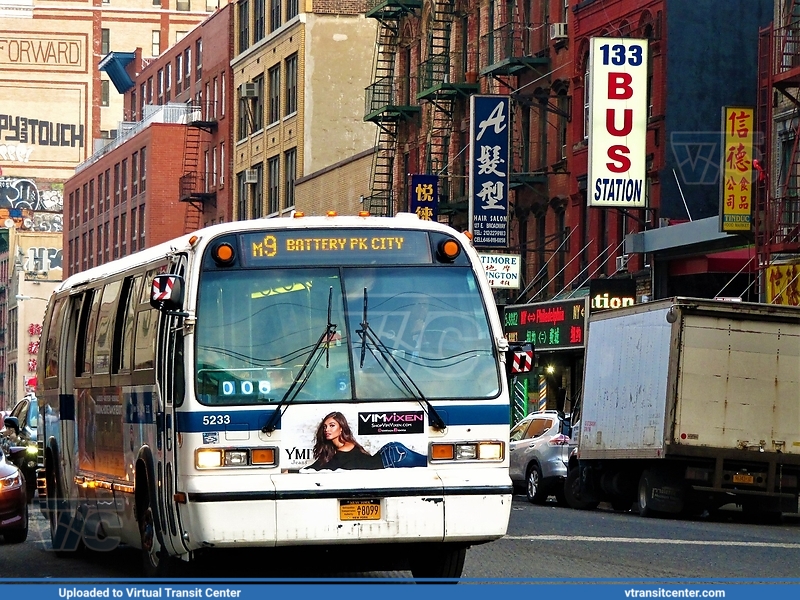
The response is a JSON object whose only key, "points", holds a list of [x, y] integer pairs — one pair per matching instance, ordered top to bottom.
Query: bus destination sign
{"points": [[355, 246], [548, 325]]}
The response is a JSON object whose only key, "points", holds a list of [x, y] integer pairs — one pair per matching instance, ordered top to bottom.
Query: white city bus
{"points": [[307, 381]]}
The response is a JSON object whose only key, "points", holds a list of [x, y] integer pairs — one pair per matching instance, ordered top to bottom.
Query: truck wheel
{"points": [[533, 485], [572, 491], [644, 496], [439, 560]]}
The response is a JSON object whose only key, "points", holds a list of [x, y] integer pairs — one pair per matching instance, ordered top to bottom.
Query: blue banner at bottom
{"points": [[396, 589]]}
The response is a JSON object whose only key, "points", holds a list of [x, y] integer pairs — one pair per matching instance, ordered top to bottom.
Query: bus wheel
{"points": [[155, 561], [439, 561]]}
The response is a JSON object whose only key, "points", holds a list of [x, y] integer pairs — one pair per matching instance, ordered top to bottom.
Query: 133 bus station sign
{"points": [[617, 123], [489, 164], [549, 325]]}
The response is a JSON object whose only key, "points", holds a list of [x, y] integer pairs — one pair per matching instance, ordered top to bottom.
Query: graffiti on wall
{"points": [[15, 152], [23, 193], [39, 259]]}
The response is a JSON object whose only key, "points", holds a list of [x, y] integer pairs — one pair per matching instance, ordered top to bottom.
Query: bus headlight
{"points": [[489, 450], [208, 458], [215, 458]]}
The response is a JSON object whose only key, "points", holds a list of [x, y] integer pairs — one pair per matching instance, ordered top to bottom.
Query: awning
{"points": [[114, 64], [743, 260]]}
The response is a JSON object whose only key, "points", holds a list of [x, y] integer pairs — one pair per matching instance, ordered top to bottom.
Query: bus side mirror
{"points": [[166, 294], [519, 359]]}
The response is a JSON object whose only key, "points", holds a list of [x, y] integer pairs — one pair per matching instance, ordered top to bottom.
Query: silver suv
{"points": [[539, 454]]}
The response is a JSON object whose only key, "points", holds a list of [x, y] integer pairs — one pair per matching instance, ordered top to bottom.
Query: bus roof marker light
{"points": [[298, 213], [331, 213], [363, 213], [193, 240], [448, 250], [223, 254]]}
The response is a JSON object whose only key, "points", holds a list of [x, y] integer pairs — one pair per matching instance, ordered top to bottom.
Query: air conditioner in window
{"points": [[558, 31], [249, 90], [250, 176], [622, 263]]}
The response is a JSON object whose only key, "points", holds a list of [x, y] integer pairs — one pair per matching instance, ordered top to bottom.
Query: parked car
{"points": [[19, 431], [539, 451], [13, 502]]}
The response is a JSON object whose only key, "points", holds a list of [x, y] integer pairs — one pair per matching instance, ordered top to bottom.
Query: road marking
{"points": [[623, 540]]}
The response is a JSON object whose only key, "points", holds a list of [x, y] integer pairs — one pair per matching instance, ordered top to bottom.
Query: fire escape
{"points": [[445, 83], [387, 101], [195, 188]]}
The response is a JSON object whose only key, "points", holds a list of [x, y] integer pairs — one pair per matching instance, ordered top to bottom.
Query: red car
{"points": [[13, 503]]}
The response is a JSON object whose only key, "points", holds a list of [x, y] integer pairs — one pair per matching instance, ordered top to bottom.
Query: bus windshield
{"points": [[256, 328]]}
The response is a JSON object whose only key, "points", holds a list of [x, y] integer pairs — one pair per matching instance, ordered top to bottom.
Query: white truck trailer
{"points": [[688, 405]]}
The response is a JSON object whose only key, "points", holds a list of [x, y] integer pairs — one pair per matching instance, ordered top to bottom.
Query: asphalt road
{"points": [[542, 542]]}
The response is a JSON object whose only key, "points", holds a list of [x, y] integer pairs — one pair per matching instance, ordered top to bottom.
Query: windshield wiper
{"points": [[367, 335], [302, 376]]}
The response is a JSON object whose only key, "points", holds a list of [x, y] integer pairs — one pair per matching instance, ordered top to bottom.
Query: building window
{"points": [[184, 5], [292, 8], [274, 14], [259, 17], [244, 25], [105, 41], [156, 43], [198, 59], [187, 68], [179, 73], [168, 82], [291, 84], [160, 86], [104, 90], [150, 90], [274, 94], [222, 95], [142, 98], [258, 105], [586, 107], [134, 115], [242, 128], [222, 164], [214, 167], [142, 170], [290, 170], [274, 172], [135, 174], [124, 177], [117, 185], [108, 190], [258, 192], [100, 194], [91, 198], [241, 200], [85, 202], [141, 227], [123, 234], [134, 236], [116, 238], [107, 241], [99, 244], [90, 250], [84, 255]]}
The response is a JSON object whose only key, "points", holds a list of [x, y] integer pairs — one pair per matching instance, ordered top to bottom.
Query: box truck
{"points": [[690, 404]]}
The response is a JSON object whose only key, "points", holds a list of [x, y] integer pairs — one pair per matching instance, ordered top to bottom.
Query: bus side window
{"points": [[123, 326], [104, 333], [85, 335], [52, 339]]}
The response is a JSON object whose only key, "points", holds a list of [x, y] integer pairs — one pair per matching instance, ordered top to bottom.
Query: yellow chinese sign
{"points": [[736, 205], [783, 284]]}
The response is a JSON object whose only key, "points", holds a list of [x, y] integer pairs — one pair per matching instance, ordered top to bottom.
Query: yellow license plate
{"points": [[739, 478], [359, 510]]}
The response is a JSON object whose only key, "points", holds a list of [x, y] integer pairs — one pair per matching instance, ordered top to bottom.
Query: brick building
{"points": [[300, 142], [166, 173]]}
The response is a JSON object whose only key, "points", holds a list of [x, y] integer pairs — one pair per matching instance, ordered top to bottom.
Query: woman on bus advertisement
{"points": [[336, 448]]}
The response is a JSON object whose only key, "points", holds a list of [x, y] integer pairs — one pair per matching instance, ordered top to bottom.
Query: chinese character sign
{"points": [[617, 123], [489, 170], [737, 170], [424, 199], [502, 270], [783, 284], [548, 325]]}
